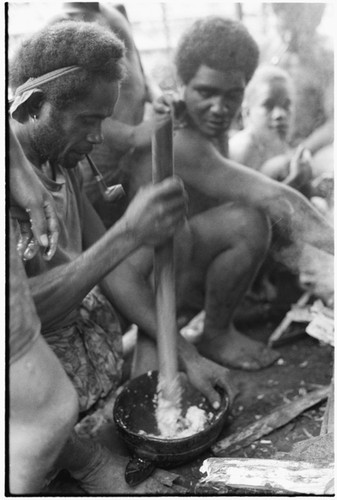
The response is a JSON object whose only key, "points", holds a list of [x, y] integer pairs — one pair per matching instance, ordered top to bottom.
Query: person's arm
{"points": [[124, 137], [320, 137], [199, 165], [293, 168], [28, 193], [151, 218], [128, 288]]}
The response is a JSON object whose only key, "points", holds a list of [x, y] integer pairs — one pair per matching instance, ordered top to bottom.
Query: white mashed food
{"points": [[173, 425]]}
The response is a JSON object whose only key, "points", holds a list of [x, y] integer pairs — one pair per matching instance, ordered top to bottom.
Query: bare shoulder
{"points": [[118, 23], [189, 143], [241, 146]]}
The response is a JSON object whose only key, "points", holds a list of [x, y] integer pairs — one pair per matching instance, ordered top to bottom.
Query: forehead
{"points": [[221, 80], [276, 89], [100, 102]]}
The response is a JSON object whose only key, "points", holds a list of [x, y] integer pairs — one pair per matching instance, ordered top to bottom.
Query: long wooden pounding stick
{"points": [[162, 167]]}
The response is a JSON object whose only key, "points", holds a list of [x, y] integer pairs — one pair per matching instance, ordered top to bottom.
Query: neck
{"points": [[22, 133], [221, 144]]}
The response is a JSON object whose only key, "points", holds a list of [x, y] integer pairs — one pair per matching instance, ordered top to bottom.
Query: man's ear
{"points": [[34, 103], [26, 105]]}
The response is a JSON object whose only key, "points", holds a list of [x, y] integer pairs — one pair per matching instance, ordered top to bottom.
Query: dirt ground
{"points": [[305, 365]]}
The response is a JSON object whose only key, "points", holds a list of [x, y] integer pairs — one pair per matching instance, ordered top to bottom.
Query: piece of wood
{"points": [[162, 167], [289, 318], [329, 413], [279, 417], [290, 476]]}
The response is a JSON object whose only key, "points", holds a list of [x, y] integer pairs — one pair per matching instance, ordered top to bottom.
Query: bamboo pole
{"points": [[162, 167]]}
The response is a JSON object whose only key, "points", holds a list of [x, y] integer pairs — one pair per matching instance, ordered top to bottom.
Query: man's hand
{"points": [[167, 103], [300, 168], [29, 193], [157, 211], [206, 376]]}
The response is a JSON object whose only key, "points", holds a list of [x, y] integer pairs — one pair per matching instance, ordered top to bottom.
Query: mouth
{"points": [[217, 125], [281, 128], [82, 154]]}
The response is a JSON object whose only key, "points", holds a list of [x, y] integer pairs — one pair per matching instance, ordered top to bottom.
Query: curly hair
{"points": [[219, 43], [96, 50], [266, 74]]}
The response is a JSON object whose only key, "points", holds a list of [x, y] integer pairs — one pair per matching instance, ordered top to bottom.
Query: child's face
{"points": [[270, 108]]}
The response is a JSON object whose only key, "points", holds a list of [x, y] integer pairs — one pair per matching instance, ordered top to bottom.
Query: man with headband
{"points": [[66, 82]]}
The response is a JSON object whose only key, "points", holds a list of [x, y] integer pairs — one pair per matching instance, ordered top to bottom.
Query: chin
{"points": [[67, 162]]}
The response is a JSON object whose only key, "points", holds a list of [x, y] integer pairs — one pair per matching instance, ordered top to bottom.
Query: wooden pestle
{"points": [[162, 167]]}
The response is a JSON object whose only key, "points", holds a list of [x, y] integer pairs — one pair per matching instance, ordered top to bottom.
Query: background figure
{"points": [[297, 47], [267, 113], [126, 129], [231, 208], [42, 401]]}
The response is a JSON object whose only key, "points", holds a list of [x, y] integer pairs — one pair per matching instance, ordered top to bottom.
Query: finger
{"points": [[161, 105], [172, 187], [39, 225], [53, 230], [53, 240], [31, 249], [229, 387], [210, 394], [213, 397]]}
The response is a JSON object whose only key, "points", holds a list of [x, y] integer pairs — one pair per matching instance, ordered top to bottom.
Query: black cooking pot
{"points": [[134, 416]]}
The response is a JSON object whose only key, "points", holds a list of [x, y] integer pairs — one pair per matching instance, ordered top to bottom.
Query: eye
{"points": [[205, 93], [236, 95], [268, 105], [287, 105], [89, 121]]}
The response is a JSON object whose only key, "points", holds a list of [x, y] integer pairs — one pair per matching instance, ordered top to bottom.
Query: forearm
{"points": [[117, 135], [125, 137], [321, 137], [225, 180], [293, 211], [57, 292]]}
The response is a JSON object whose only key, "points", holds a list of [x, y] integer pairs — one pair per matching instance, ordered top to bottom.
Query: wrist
{"points": [[126, 234]]}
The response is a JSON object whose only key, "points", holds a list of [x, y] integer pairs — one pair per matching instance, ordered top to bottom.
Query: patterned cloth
{"points": [[91, 349]]}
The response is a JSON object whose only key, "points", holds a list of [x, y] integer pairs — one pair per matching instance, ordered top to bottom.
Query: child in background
{"points": [[262, 144]]}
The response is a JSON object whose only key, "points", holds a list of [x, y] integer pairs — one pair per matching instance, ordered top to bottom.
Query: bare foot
{"points": [[235, 350]]}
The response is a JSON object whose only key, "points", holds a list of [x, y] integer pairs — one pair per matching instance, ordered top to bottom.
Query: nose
{"points": [[219, 105], [279, 113], [95, 136]]}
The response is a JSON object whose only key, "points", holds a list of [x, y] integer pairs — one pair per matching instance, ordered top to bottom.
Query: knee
{"points": [[252, 228]]}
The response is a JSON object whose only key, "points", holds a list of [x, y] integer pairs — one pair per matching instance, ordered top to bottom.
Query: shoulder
{"points": [[118, 23], [190, 144], [241, 146]]}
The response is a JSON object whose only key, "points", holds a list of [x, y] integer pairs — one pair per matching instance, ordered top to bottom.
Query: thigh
{"points": [[226, 227], [37, 383]]}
